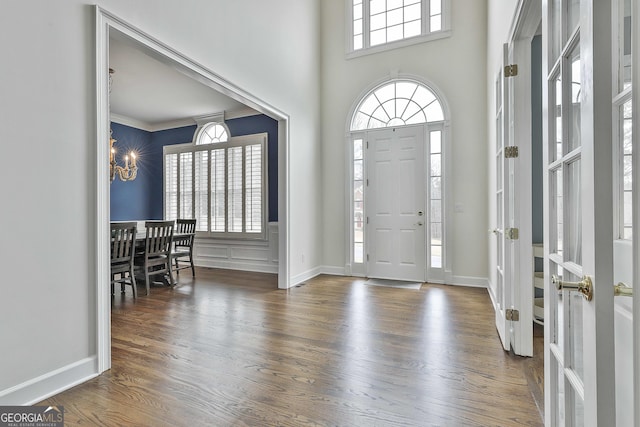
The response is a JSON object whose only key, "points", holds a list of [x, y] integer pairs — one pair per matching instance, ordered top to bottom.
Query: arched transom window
{"points": [[396, 104], [212, 133]]}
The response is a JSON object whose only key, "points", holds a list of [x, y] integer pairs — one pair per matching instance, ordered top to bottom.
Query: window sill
{"points": [[398, 44], [261, 239]]}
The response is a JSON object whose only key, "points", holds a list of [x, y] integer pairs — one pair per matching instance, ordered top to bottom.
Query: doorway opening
{"points": [[106, 23]]}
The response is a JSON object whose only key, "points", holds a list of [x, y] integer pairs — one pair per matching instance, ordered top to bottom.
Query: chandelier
{"points": [[129, 171], [126, 173]]}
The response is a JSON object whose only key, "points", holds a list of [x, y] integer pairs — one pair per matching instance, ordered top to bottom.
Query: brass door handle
{"points": [[585, 286], [622, 290]]}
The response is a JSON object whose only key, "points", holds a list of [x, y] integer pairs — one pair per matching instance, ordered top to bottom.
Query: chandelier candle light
{"points": [[126, 173]]}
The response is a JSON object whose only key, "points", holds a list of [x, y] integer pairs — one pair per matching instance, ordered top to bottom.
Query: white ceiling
{"points": [[152, 95]]}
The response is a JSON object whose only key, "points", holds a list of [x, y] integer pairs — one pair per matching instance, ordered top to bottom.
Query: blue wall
{"points": [[259, 124], [159, 139], [536, 139], [142, 198], [129, 200]]}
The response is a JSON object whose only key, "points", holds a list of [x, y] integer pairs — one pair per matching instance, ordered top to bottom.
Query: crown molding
{"points": [[244, 112], [189, 121]]}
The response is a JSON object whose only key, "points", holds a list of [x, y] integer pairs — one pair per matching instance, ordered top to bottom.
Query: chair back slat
{"points": [[185, 226], [123, 236], [158, 238]]}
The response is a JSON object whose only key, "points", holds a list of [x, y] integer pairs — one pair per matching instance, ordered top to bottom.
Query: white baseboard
{"points": [[238, 265], [333, 271], [310, 274], [302, 277], [477, 282], [47, 385]]}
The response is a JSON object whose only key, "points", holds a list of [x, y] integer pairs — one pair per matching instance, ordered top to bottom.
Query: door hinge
{"points": [[511, 70], [367, 144], [511, 152], [367, 182], [367, 220], [512, 233], [367, 257], [512, 314]]}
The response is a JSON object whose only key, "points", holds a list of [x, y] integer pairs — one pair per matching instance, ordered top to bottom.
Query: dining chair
{"points": [[123, 241], [182, 253], [156, 258]]}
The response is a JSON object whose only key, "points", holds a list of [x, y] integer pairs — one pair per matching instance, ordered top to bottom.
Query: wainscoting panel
{"points": [[261, 256]]}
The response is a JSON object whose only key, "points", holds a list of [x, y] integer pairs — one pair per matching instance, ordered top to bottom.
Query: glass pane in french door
{"points": [[573, 16], [555, 28], [624, 44], [573, 104], [556, 151], [557, 211], [573, 225], [575, 299], [557, 308], [560, 409], [578, 409]]}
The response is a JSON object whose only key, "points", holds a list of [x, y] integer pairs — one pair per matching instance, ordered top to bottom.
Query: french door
{"points": [[577, 157], [504, 202], [635, 214]]}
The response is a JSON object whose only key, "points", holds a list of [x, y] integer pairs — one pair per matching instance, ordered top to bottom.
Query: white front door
{"points": [[395, 204], [579, 317]]}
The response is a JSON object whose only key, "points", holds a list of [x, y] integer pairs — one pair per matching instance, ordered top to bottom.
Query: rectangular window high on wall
{"points": [[385, 24], [221, 184]]}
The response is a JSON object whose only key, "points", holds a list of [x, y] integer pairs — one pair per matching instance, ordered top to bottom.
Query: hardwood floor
{"points": [[229, 349]]}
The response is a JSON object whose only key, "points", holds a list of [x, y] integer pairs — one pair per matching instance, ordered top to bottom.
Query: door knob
{"points": [[420, 213], [420, 223], [585, 286], [622, 290]]}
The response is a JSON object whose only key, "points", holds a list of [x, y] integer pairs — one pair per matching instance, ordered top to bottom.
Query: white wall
{"points": [[499, 16], [455, 65], [47, 183]]}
